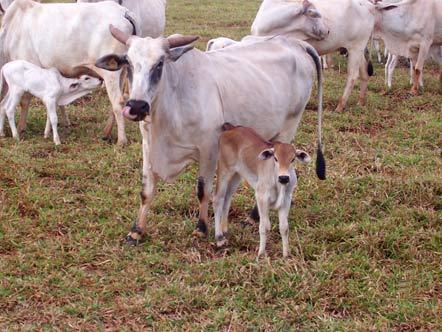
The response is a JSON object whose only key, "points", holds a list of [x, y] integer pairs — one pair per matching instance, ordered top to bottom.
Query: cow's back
{"points": [[62, 35], [271, 77]]}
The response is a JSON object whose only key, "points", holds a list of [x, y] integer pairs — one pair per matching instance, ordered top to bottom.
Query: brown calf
{"points": [[267, 167]]}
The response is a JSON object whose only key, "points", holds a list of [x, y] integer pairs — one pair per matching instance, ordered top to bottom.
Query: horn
{"points": [[119, 35], [177, 40], [76, 72]]}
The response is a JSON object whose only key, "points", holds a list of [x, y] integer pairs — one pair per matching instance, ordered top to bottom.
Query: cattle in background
{"points": [[151, 14], [350, 23], [410, 28], [78, 34], [219, 43], [435, 54], [47, 84], [182, 96], [267, 168]]}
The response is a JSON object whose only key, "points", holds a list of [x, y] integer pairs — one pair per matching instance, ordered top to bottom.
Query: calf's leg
{"points": [[24, 103], [11, 105], [51, 107], [283, 213], [264, 224]]}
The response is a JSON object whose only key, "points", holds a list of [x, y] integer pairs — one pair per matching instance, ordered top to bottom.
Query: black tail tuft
{"points": [[370, 69], [227, 126], [320, 164]]}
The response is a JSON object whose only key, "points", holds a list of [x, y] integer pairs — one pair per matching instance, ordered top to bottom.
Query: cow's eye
{"points": [[87, 78]]}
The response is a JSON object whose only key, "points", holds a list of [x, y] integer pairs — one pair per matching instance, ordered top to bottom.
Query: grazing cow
{"points": [[150, 13], [350, 24], [410, 28], [78, 34], [219, 43], [435, 53], [264, 83], [47, 84], [267, 168]]}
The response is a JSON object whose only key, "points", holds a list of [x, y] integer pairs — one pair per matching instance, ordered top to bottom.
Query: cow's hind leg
{"points": [[354, 60], [363, 75], [206, 174], [147, 193]]}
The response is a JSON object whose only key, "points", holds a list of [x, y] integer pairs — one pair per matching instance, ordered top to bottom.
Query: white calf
{"points": [[218, 43], [46, 84], [267, 167]]}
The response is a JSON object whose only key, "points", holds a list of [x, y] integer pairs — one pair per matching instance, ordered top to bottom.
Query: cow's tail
{"points": [[136, 28], [367, 55], [320, 160]]}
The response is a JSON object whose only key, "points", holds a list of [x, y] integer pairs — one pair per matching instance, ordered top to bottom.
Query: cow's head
{"points": [[306, 22], [145, 60], [283, 156]]}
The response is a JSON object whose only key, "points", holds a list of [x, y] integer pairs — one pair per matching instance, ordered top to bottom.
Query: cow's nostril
{"points": [[139, 109], [284, 179]]}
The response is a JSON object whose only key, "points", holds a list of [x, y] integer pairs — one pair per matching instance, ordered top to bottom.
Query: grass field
{"points": [[366, 243]]}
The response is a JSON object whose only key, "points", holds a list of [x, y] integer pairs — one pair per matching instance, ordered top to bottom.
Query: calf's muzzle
{"points": [[136, 110], [284, 179]]}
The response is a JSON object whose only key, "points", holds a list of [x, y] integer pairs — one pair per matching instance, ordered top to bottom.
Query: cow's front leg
{"points": [[419, 62], [206, 174], [147, 193]]}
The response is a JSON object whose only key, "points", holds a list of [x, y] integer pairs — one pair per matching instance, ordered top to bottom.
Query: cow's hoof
{"points": [[107, 139], [122, 142], [249, 222], [201, 229], [221, 242]]}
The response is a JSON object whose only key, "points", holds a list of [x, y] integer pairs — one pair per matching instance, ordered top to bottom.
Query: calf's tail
{"points": [[227, 126], [320, 160]]}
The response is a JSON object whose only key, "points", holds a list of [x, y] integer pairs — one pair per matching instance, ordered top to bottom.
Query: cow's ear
{"points": [[177, 52], [111, 62], [266, 154], [302, 156]]}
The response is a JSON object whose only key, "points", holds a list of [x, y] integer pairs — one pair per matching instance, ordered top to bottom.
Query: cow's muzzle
{"points": [[136, 110]]}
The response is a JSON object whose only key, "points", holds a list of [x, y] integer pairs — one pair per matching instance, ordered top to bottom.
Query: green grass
{"points": [[366, 243]]}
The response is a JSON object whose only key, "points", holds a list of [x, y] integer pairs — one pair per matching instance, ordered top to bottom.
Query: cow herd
{"points": [[233, 109]]}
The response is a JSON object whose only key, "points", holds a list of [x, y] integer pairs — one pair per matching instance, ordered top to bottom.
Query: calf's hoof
{"points": [[201, 229], [130, 241]]}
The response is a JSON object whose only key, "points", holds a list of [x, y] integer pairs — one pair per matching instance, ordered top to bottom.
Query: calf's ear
{"points": [[111, 62], [73, 87], [266, 154], [302, 156]]}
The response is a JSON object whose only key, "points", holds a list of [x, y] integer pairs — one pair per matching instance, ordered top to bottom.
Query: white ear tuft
{"points": [[266, 154], [302, 156]]}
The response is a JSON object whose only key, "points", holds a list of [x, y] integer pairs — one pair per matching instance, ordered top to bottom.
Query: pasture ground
{"points": [[366, 243]]}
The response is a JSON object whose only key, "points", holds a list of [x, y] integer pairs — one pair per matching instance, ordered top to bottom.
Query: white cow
{"points": [[150, 13], [350, 24], [409, 28], [78, 34], [219, 43], [264, 83], [47, 84], [268, 169]]}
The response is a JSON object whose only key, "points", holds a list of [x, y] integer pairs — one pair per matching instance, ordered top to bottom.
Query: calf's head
{"points": [[145, 60], [284, 155]]}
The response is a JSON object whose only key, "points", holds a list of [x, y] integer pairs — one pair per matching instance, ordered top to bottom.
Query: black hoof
{"points": [[201, 228]]}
